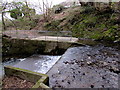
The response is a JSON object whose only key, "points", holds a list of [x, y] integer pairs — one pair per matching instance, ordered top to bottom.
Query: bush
{"points": [[58, 9], [88, 9], [15, 13], [22, 23], [53, 25]]}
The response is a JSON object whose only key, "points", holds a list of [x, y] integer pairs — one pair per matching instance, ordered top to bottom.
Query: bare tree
{"points": [[45, 8]]}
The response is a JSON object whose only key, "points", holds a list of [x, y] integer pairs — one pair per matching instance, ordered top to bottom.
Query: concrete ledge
{"points": [[23, 48], [40, 80]]}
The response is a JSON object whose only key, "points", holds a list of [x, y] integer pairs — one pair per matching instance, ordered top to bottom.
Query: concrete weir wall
{"points": [[22, 47]]}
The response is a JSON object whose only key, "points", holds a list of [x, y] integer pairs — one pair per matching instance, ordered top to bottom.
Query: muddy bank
{"points": [[86, 67]]}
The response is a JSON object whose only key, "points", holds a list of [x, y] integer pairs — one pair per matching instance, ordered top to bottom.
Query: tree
{"points": [[3, 7], [14, 8], [46, 8], [27, 11], [15, 13]]}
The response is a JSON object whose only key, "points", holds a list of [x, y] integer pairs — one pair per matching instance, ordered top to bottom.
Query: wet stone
{"points": [[87, 67]]}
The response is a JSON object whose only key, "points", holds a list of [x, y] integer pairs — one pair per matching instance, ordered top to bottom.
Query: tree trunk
{"points": [[3, 22]]}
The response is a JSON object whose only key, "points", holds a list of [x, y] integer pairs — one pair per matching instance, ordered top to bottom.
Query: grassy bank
{"points": [[87, 22]]}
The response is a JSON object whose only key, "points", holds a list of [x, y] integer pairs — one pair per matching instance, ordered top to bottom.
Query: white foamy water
{"points": [[35, 63], [43, 66]]}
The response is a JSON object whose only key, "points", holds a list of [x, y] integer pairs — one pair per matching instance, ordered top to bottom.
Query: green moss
{"points": [[91, 23], [13, 48], [23, 48]]}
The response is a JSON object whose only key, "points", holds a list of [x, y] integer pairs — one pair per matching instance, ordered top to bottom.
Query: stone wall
{"points": [[23, 48]]}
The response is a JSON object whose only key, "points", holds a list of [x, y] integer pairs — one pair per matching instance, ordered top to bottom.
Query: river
{"points": [[83, 66]]}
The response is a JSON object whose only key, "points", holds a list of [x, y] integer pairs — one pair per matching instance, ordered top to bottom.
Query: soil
{"points": [[15, 82]]}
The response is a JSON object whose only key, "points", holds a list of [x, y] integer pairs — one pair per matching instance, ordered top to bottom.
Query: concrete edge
{"points": [[70, 42], [24, 70]]}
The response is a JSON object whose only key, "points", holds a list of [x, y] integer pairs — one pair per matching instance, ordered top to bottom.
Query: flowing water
{"points": [[35, 63], [82, 67]]}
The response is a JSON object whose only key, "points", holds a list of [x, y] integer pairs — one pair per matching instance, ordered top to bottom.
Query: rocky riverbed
{"points": [[86, 67]]}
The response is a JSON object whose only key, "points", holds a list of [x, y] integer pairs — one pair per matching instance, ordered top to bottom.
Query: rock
{"points": [[58, 9], [66, 62], [89, 62], [105, 63], [115, 70], [92, 86]]}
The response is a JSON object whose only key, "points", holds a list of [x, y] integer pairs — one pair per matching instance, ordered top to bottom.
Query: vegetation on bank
{"points": [[23, 17], [89, 22]]}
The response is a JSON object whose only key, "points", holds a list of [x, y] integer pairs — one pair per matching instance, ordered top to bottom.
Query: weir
{"points": [[38, 54], [64, 63]]}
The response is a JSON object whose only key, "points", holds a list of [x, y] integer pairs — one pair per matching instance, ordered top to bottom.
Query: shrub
{"points": [[58, 9], [15, 13]]}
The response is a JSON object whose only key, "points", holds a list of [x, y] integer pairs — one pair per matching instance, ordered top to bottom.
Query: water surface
{"points": [[35, 63]]}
